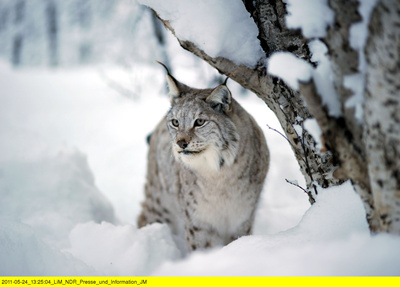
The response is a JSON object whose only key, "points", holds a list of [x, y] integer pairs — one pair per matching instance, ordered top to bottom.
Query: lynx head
{"points": [[203, 135]]}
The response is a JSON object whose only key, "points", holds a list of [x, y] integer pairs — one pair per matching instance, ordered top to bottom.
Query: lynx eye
{"points": [[199, 122], [175, 123]]}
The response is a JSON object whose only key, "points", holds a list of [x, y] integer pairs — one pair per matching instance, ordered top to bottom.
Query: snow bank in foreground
{"points": [[220, 28], [51, 193], [332, 239], [96, 250], [123, 250], [22, 252], [358, 255]]}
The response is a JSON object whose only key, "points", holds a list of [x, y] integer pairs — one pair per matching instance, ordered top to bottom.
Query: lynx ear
{"points": [[172, 87], [220, 99]]}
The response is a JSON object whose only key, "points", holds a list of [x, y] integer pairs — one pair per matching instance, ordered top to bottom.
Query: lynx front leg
{"points": [[200, 235], [206, 237], [202, 238]]}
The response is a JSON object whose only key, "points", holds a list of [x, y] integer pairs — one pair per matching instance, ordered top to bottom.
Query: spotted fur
{"points": [[207, 163]]}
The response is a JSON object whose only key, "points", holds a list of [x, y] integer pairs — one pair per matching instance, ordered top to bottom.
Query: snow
{"points": [[311, 16], [223, 30], [359, 30], [358, 37], [288, 67], [293, 70], [323, 78], [356, 83], [312, 127], [298, 129], [73, 165], [72, 172], [54, 179], [332, 239], [122, 249], [24, 253]]}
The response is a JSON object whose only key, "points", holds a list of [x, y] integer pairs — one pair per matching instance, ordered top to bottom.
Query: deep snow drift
{"points": [[72, 168]]}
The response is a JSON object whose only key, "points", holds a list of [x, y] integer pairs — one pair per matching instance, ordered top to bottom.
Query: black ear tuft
{"points": [[165, 67], [226, 80], [173, 84]]}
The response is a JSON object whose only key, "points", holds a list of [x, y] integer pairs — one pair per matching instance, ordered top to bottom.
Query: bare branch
{"points": [[293, 146], [296, 184]]}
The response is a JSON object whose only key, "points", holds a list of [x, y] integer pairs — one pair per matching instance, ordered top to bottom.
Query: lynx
{"points": [[207, 163]]}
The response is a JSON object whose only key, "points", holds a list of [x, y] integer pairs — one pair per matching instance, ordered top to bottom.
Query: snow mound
{"points": [[220, 28], [52, 193], [332, 239], [123, 250], [23, 253], [359, 255]]}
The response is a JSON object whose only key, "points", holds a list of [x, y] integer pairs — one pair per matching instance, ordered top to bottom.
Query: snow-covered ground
{"points": [[73, 165], [72, 170]]}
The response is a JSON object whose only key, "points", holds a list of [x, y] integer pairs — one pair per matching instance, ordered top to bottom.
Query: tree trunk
{"points": [[52, 31], [18, 41], [382, 113], [368, 151]]}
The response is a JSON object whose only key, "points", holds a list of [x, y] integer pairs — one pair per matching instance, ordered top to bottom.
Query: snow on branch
{"points": [[311, 16], [219, 28], [288, 67], [293, 70]]}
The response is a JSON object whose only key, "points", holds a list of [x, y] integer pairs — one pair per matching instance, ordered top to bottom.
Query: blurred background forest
{"points": [[61, 33], [72, 33]]}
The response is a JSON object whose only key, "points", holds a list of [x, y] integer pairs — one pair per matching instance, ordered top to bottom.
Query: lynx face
{"points": [[203, 137]]}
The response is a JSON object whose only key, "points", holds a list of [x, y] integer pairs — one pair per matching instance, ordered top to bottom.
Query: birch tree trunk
{"points": [[382, 113], [368, 151]]}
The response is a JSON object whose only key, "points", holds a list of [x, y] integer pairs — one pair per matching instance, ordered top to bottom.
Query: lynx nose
{"points": [[182, 143]]}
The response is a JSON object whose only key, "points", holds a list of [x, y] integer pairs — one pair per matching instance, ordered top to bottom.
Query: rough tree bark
{"points": [[381, 134], [366, 152]]}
